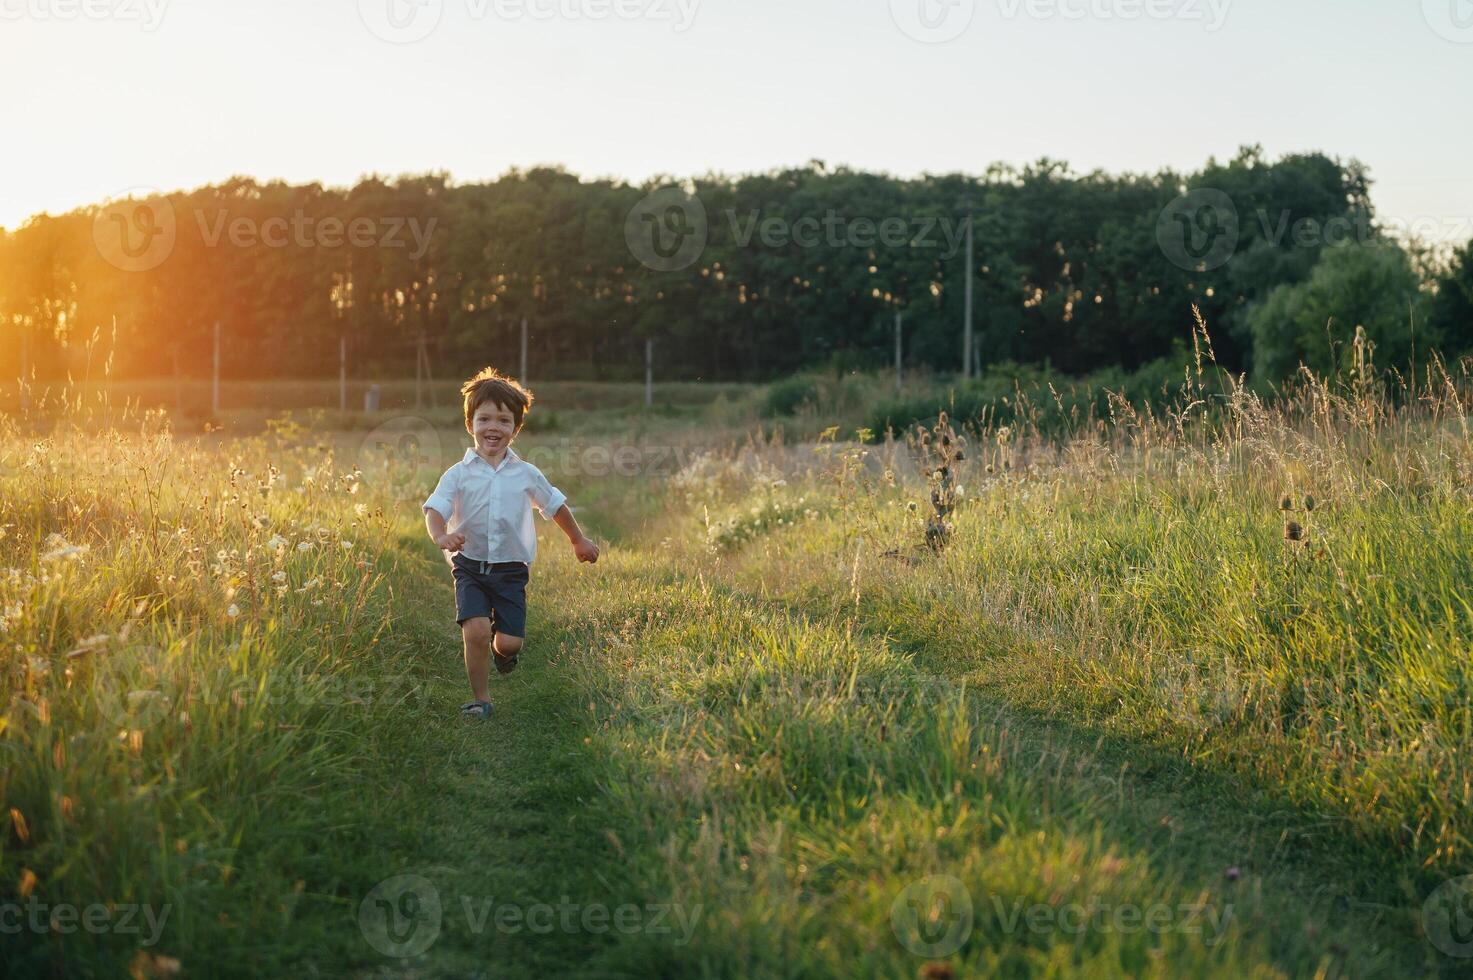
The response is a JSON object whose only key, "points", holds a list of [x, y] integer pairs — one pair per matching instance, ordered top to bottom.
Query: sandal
{"points": [[476, 709]]}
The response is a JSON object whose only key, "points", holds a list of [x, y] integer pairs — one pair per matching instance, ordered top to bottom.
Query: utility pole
{"points": [[967, 334], [649, 371], [523, 376], [899, 377], [215, 385]]}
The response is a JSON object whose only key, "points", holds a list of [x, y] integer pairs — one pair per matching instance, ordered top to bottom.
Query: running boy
{"points": [[481, 512]]}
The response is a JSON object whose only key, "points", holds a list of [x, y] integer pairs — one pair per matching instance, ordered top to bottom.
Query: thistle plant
{"points": [[938, 450]]}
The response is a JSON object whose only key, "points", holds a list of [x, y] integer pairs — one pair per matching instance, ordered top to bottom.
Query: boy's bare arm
{"points": [[435, 524], [583, 547]]}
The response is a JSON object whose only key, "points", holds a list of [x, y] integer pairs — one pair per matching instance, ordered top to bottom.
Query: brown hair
{"points": [[490, 385]]}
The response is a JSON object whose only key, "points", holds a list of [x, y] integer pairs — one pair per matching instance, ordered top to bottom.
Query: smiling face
{"points": [[493, 427]]}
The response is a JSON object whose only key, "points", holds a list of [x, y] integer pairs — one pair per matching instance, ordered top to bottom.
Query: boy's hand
{"points": [[451, 542], [586, 550]]}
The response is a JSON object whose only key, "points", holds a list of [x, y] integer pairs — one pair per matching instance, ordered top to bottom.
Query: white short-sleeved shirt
{"points": [[492, 506]]}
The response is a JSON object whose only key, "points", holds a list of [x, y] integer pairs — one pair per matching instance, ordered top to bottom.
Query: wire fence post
{"points": [[342, 372], [649, 372], [523, 376], [899, 377], [215, 383]]}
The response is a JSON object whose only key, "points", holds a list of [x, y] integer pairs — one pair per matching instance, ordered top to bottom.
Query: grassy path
{"points": [[768, 777], [484, 843]]}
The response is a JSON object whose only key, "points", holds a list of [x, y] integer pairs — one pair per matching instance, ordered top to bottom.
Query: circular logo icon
{"points": [[1451, 19], [401, 21], [933, 21], [667, 230], [1198, 231], [136, 233], [400, 457], [126, 704], [401, 917], [932, 917], [1447, 917]]}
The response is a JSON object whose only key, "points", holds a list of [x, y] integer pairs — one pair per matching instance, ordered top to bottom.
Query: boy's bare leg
{"points": [[477, 635], [506, 646]]}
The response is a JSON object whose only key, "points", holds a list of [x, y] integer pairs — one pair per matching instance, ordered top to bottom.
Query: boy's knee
{"points": [[477, 631], [506, 649]]}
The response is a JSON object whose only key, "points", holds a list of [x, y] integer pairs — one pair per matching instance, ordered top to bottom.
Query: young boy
{"points": [[487, 499]]}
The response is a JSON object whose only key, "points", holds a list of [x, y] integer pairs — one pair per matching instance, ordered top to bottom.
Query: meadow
{"points": [[1149, 692]]}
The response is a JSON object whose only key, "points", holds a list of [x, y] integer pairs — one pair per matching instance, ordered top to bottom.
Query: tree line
{"points": [[748, 277]]}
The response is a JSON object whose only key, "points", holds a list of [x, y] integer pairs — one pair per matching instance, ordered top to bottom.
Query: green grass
{"points": [[1119, 726]]}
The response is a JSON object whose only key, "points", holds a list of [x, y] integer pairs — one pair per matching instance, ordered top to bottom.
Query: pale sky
{"points": [[101, 96]]}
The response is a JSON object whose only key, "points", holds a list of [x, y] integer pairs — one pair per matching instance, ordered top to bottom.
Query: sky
{"points": [[107, 96]]}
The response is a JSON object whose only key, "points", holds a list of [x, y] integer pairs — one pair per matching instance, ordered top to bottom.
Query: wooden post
{"points": [[967, 336], [419, 360], [25, 365], [342, 372], [649, 372], [523, 376], [899, 377], [178, 385], [215, 387]]}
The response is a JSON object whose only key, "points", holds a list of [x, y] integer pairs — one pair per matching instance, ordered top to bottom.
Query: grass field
{"points": [[1149, 711]]}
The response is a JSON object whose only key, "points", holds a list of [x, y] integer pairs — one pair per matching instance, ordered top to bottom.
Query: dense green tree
{"points": [[1371, 288]]}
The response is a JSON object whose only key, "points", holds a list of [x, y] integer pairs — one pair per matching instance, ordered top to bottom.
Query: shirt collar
{"points": [[471, 455]]}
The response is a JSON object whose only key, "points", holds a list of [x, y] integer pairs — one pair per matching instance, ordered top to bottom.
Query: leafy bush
{"points": [[787, 396]]}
